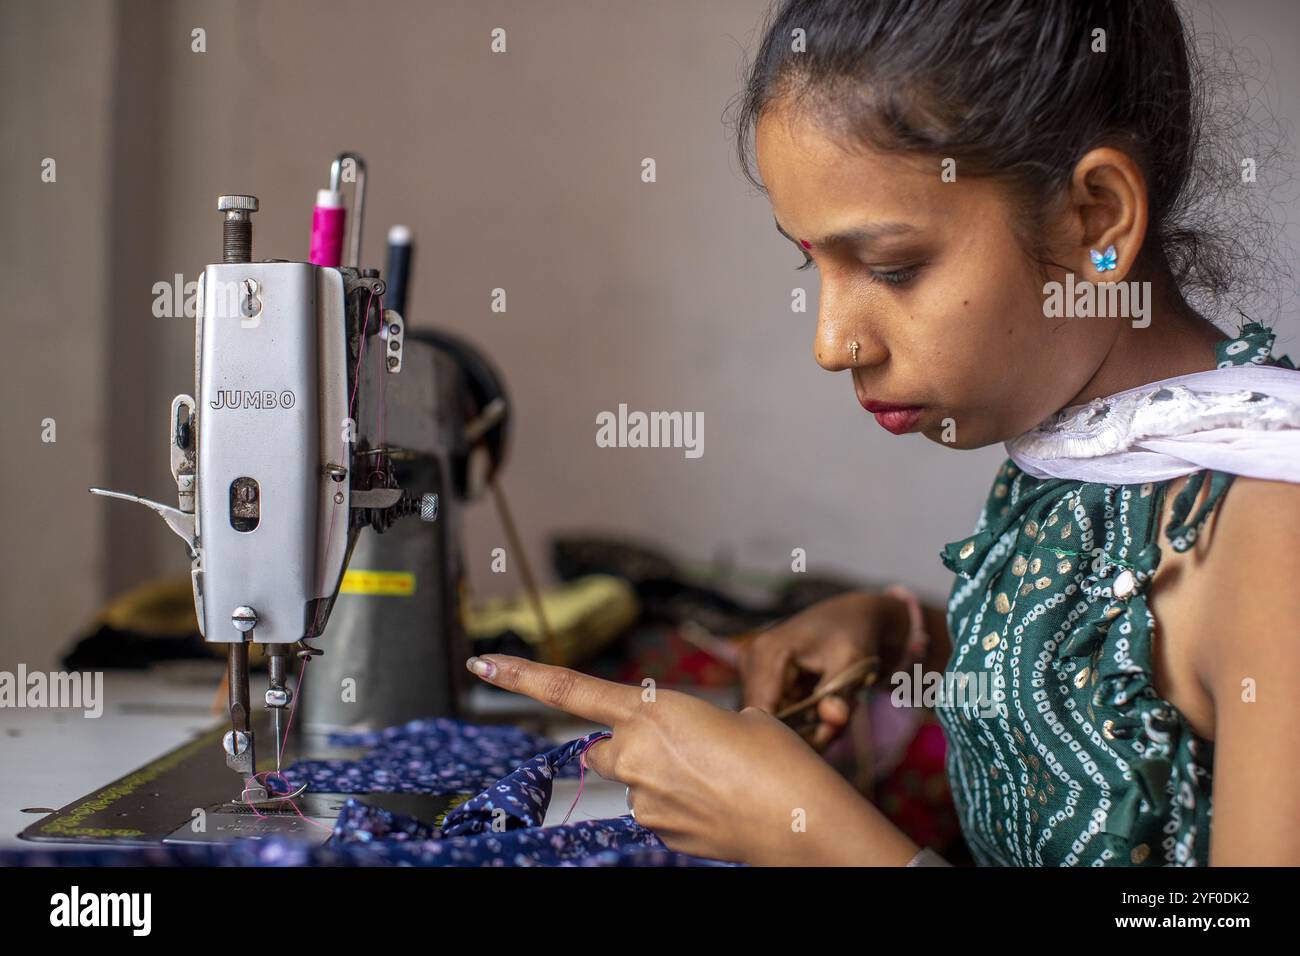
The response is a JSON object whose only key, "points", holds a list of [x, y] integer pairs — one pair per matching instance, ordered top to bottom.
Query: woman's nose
{"points": [[841, 345]]}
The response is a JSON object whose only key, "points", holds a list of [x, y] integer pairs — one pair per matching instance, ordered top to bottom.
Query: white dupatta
{"points": [[1241, 420]]}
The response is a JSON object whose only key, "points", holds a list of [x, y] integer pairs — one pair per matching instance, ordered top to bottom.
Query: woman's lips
{"points": [[898, 419]]}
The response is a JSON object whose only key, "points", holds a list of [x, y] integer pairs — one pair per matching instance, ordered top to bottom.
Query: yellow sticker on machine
{"points": [[390, 583]]}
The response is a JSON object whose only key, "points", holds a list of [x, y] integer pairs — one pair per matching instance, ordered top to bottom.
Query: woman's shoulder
{"points": [[1255, 518], [1241, 578]]}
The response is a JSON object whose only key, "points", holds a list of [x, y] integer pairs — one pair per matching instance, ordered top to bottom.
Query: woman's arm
{"points": [[895, 625], [940, 649]]}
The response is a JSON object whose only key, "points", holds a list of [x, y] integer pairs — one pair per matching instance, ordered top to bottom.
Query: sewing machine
{"points": [[316, 416]]}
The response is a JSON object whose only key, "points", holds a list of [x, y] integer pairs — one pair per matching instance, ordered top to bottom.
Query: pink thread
{"points": [[327, 235], [361, 354], [352, 404], [383, 405], [329, 537], [302, 671], [302, 674], [582, 775], [261, 816]]}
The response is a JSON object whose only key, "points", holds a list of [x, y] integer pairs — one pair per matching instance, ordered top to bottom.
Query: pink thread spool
{"points": [[327, 228]]}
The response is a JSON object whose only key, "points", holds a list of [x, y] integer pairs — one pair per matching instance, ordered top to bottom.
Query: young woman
{"points": [[1128, 596]]}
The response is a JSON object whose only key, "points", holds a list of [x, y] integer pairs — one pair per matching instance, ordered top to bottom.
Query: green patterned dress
{"points": [[1072, 757]]}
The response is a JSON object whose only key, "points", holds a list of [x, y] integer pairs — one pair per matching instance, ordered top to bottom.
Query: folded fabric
{"points": [[502, 826]]}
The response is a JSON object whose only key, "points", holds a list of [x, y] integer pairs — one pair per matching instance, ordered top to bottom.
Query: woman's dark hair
{"points": [[1013, 89]]}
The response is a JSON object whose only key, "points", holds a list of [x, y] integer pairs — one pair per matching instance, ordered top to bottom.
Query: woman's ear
{"points": [[1107, 207]]}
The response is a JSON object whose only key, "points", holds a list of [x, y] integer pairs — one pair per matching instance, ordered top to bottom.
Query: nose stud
{"points": [[853, 352]]}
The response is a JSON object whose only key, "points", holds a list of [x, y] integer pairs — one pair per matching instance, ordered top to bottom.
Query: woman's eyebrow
{"points": [[870, 233]]}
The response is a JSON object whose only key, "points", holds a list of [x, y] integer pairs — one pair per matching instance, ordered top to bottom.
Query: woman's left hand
{"points": [[709, 782]]}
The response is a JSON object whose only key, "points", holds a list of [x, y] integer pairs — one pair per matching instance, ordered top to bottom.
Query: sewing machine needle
{"points": [[278, 695], [276, 715]]}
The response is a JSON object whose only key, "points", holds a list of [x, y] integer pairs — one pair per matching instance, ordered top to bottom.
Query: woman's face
{"points": [[927, 278]]}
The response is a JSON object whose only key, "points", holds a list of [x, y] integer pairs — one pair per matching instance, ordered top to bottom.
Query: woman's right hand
{"points": [[797, 657]]}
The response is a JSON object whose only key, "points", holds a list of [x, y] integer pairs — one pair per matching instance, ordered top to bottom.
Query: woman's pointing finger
{"points": [[600, 701]]}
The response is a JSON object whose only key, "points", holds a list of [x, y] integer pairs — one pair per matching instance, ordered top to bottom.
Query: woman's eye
{"points": [[896, 276], [892, 277]]}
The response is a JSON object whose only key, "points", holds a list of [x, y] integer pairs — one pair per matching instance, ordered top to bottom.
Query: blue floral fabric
{"points": [[438, 755], [500, 826]]}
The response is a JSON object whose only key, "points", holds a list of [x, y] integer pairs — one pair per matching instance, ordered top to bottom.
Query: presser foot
{"points": [[254, 793], [268, 801]]}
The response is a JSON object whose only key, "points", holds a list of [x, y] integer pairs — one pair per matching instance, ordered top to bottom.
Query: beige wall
{"points": [[56, 100], [518, 171]]}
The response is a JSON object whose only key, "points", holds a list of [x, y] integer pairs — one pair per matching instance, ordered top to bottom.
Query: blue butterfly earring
{"points": [[1104, 261]]}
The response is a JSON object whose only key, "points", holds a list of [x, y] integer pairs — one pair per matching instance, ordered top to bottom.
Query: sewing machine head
{"points": [[284, 453]]}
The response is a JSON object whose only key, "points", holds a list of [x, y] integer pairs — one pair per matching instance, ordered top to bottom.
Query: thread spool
{"points": [[327, 227], [399, 267]]}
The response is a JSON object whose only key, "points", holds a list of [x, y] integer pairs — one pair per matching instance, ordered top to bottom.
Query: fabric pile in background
{"points": [[500, 826]]}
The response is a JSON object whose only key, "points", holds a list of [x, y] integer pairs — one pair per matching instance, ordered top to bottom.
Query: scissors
{"points": [[861, 673]]}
